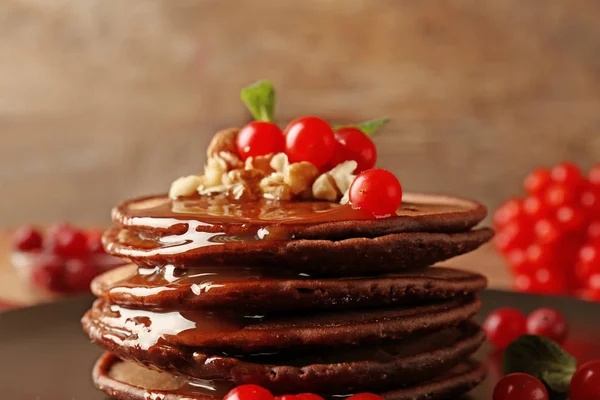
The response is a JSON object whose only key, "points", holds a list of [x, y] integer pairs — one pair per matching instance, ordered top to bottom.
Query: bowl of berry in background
{"points": [[550, 237], [61, 260]]}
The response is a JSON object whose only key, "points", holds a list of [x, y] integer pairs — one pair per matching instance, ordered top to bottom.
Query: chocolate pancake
{"points": [[307, 236], [243, 288], [122, 330], [325, 370], [125, 380]]}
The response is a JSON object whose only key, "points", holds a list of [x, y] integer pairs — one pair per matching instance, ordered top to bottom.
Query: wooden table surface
{"points": [[14, 290]]}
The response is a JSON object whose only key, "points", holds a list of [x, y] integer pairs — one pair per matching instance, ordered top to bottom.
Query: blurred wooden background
{"points": [[101, 100]]}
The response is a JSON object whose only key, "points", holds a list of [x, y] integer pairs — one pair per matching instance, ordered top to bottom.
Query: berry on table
{"points": [[258, 138], [309, 139], [353, 144], [594, 175], [377, 191], [559, 195], [534, 208], [570, 218], [27, 238], [67, 241], [94, 242], [48, 273], [78, 275], [549, 323], [504, 325], [585, 384], [520, 387], [249, 392]]}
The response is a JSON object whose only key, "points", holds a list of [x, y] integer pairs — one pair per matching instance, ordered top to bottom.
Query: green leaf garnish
{"points": [[260, 100], [367, 127], [542, 358]]}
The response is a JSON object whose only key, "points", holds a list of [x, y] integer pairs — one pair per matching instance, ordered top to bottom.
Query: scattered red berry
{"points": [[258, 138], [309, 139], [353, 144], [537, 181], [376, 190], [534, 208], [569, 218], [546, 231], [27, 238], [67, 241], [94, 243], [48, 274], [78, 275], [549, 323], [504, 325], [585, 384], [520, 387], [249, 392], [365, 396]]}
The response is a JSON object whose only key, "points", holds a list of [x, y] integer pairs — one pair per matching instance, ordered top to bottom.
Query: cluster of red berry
{"points": [[313, 139], [551, 238], [65, 260], [505, 325], [585, 385], [255, 392]]}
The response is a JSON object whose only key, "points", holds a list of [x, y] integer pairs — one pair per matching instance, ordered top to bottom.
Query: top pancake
{"points": [[298, 219], [312, 234]]}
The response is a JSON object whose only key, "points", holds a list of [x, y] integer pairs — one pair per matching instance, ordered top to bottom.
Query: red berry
{"points": [[258, 138], [309, 139], [353, 144], [567, 173], [594, 175], [537, 181], [376, 190], [559, 195], [590, 202], [534, 208], [508, 212], [569, 218], [593, 230], [546, 231], [514, 235], [27, 238], [68, 242], [94, 243], [538, 256], [517, 259], [588, 261], [48, 274], [78, 275], [593, 282], [549, 323], [504, 325], [585, 384], [520, 387], [249, 392], [365, 396]]}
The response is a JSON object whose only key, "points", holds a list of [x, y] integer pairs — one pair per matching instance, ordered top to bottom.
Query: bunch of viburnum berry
{"points": [[551, 237]]}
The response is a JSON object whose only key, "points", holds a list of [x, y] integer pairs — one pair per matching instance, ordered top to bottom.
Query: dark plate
{"points": [[45, 356]]}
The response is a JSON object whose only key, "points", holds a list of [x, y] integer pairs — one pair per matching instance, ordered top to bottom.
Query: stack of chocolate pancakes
{"points": [[293, 296]]}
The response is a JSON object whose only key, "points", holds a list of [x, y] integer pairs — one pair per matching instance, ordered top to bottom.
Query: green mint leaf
{"points": [[260, 100], [367, 127], [542, 358]]}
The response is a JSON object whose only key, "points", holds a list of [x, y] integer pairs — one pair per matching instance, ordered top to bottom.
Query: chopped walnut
{"points": [[223, 141], [231, 160], [261, 163], [214, 170], [300, 176], [335, 184], [185, 186], [275, 188]]}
